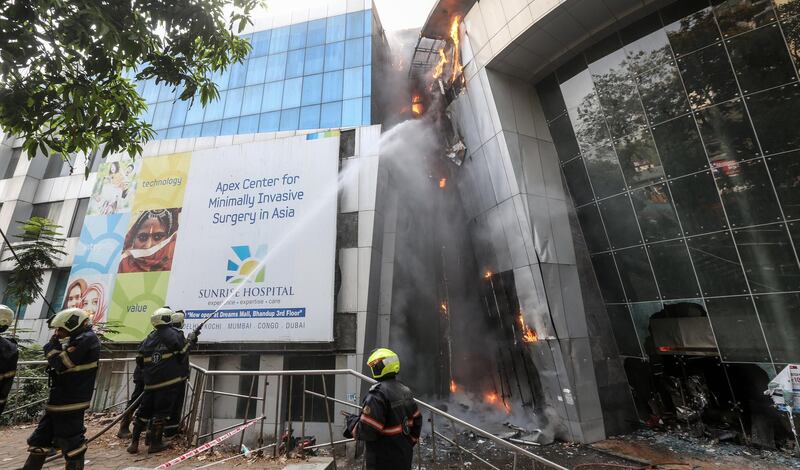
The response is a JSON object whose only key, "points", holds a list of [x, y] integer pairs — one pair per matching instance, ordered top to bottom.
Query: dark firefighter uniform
{"points": [[9, 354], [160, 356], [72, 368], [138, 387], [174, 420], [389, 422]]}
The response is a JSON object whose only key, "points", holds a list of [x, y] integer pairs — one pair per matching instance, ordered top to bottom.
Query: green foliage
{"points": [[64, 65], [41, 244], [30, 385]]}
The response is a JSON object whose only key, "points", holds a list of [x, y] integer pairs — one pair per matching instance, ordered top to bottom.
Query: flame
{"points": [[457, 67], [439, 69], [416, 106], [443, 183], [488, 274], [443, 308], [528, 334], [453, 386], [491, 397]]}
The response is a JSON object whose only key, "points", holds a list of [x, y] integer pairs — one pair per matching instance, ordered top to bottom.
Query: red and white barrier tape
{"points": [[208, 445]]}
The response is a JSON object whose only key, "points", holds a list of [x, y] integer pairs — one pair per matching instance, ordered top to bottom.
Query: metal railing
{"points": [[270, 392]]}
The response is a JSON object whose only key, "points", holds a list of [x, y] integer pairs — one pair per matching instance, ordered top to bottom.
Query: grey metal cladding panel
{"points": [[590, 14], [564, 29], [540, 42], [501, 89], [515, 159], [551, 170], [532, 171], [480, 172], [497, 172], [521, 208], [495, 226], [512, 227], [542, 231], [562, 232], [552, 285], [532, 300], [573, 303], [544, 361]]}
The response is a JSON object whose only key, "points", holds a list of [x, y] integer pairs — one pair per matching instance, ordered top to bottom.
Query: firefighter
{"points": [[8, 356], [72, 356], [160, 357], [138, 387], [174, 421], [390, 421]]}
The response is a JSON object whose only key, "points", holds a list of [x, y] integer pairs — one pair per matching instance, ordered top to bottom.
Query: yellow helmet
{"points": [[6, 316], [162, 316], [69, 319], [177, 319], [383, 362]]}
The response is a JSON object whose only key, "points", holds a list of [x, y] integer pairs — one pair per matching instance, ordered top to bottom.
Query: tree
{"points": [[65, 65], [40, 247]]}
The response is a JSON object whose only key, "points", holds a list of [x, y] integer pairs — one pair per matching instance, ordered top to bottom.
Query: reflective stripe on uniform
{"points": [[53, 352], [148, 359], [66, 360], [81, 367], [8, 374], [164, 384], [2, 401], [70, 407], [372, 422]]}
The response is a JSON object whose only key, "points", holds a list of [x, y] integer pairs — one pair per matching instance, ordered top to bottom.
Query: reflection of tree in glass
{"points": [[738, 16], [790, 21], [693, 32]]}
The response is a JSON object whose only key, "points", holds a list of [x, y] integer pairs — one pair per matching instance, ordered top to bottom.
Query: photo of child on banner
{"points": [[113, 191]]}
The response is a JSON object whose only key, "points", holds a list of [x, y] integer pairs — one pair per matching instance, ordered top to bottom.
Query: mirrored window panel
{"points": [[738, 16], [690, 26], [791, 32], [645, 43], [760, 59], [708, 76], [578, 89], [662, 93], [550, 97], [621, 105], [776, 117], [589, 125], [727, 133], [564, 138], [679, 147], [639, 159], [604, 171], [785, 171], [577, 181], [747, 193], [697, 203], [656, 214], [620, 221], [592, 227], [769, 261], [716, 263], [673, 269], [606, 271], [636, 275], [641, 313], [778, 315], [737, 329], [624, 332]]}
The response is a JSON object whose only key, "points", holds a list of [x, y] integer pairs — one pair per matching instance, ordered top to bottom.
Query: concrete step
{"points": [[314, 463]]}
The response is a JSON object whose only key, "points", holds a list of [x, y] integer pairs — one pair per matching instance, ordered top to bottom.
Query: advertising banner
{"points": [[243, 234]]}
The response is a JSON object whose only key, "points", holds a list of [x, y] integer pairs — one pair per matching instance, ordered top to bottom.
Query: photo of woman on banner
{"points": [[150, 242], [74, 295], [89, 295]]}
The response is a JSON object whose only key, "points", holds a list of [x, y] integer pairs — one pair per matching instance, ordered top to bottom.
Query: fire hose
{"points": [[654, 466]]}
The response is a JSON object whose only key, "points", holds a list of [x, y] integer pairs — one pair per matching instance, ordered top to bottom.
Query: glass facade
{"points": [[316, 74], [678, 140]]}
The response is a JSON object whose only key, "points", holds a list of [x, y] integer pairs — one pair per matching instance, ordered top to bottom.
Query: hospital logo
{"points": [[247, 265]]}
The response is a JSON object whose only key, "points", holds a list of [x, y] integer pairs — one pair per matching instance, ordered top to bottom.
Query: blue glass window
{"points": [[367, 22], [355, 24], [336, 29], [316, 33], [297, 36], [280, 40], [260, 43], [367, 50], [353, 53], [334, 56], [315, 59], [294, 63], [276, 67], [256, 70], [238, 73], [221, 77], [367, 80], [352, 83], [332, 86], [312, 89], [150, 91], [292, 91], [166, 92], [273, 95], [251, 103], [233, 104], [179, 108], [214, 108], [351, 112], [366, 112], [148, 114], [161, 115], [194, 115], [331, 115], [309, 117], [289, 119], [269, 122], [248, 124], [229, 126], [211, 129], [192, 131], [174, 133]]}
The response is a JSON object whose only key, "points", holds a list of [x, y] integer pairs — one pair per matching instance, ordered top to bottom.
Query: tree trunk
{"points": [[16, 319]]}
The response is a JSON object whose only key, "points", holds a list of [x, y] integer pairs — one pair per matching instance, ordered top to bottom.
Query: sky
{"points": [[394, 14]]}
